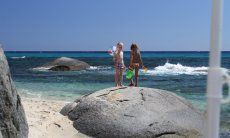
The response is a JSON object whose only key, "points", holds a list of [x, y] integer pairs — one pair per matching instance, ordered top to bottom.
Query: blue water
{"points": [[183, 73]]}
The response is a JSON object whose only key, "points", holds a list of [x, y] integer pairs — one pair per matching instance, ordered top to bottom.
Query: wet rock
{"points": [[66, 64]]}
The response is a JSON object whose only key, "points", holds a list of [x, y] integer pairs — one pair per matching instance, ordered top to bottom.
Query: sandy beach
{"points": [[45, 121]]}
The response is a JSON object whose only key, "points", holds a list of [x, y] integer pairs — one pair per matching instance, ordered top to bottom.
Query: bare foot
{"points": [[131, 84]]}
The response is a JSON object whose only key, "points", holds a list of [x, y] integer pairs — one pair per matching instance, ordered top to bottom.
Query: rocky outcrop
{"points": [[66, 64], [135, 112], [13, 122]]}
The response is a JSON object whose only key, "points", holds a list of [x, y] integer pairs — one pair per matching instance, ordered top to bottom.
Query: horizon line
{"points": [[106, 51]]}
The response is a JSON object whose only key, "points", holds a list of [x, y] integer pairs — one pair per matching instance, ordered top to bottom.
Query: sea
{"points": [[183, 73]]}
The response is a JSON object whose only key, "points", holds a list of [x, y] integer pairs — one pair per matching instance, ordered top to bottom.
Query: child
{"points": [[135, 62], [119, 64]]}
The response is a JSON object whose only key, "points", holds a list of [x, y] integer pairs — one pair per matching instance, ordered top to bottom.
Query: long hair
{"points": [[134, 48]]}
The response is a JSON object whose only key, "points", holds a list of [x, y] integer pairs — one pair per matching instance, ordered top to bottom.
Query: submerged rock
{"points": [[66, 64], [135, 112], [13, 122]]}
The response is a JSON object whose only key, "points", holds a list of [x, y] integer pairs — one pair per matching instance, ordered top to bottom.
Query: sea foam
{"points": [[18, 57], [100, 68], [40, 69], [176, 69]]}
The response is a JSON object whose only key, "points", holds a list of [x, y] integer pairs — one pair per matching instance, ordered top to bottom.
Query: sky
{"points": [[97, 25]]}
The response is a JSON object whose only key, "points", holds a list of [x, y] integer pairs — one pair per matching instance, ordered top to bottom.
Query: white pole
{"points": [[215, 73]]}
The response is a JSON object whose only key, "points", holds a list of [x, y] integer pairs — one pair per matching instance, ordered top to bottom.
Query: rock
{"points": [[66, 64], [68, 107], [136, 112], [13, 122], [225, 135]]}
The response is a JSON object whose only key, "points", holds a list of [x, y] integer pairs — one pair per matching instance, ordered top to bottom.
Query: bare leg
{"points": [[136, 75], [116, 77], [120, 77], [131, 81], [136, 81]]}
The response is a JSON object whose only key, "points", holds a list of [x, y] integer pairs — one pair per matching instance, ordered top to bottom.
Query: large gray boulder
{"points": [[66, 64], [135, 112], [13, 122]]}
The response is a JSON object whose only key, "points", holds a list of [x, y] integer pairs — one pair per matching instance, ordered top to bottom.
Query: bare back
{"points": [[136, 57]]}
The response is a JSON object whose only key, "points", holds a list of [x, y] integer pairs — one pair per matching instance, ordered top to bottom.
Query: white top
{"points": [[119, 58]]}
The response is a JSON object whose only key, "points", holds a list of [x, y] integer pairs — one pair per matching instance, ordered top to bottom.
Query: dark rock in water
{"points": [[66, 64], [135, 112], [13, 122], [225, 135]]}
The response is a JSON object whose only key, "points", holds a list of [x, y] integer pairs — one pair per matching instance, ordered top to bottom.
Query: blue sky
{"points": [[85, 25]]}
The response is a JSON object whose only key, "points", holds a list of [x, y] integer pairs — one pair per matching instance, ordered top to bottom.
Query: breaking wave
{"points": [[18, 57], [100, 68], [40, 69], [177, 69]]}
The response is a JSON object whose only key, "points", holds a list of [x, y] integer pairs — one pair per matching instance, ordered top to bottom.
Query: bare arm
{"points": [[131, 59], [141, 62]]}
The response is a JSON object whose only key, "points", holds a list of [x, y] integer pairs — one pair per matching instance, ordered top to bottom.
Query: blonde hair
{"points": [[120, 44]]}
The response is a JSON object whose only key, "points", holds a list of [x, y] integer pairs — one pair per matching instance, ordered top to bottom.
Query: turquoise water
{"points": [[183, 73]]}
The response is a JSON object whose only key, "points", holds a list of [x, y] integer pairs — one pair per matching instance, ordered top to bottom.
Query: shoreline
{"points": [[45, 121]]}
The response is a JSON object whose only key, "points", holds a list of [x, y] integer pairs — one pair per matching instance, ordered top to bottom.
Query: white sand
{"points": [[45, 121]]}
